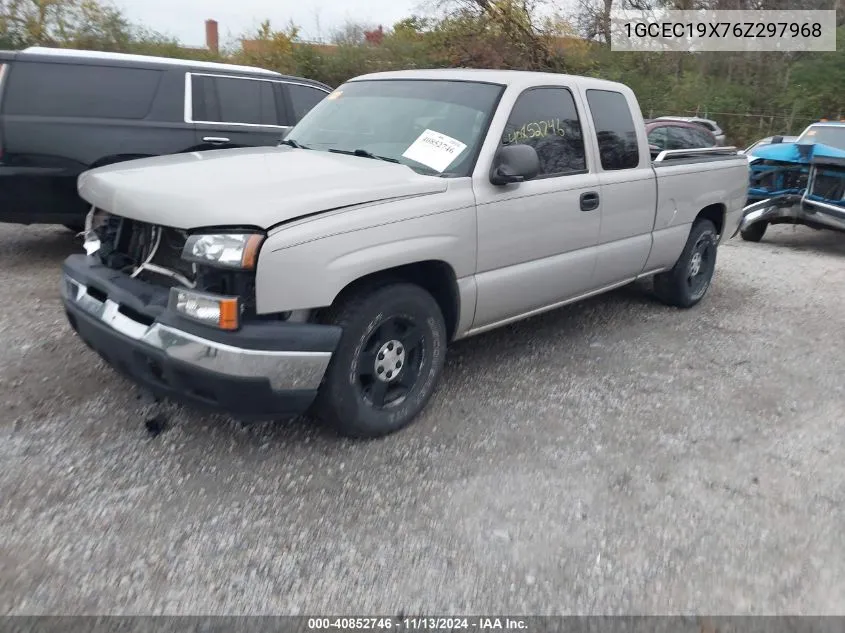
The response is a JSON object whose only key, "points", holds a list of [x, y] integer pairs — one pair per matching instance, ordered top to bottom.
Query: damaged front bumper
{"points": [[793, 209], [265, 370]]}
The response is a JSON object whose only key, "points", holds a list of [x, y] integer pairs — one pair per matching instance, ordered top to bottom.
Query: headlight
{"points": [[228, 250]]}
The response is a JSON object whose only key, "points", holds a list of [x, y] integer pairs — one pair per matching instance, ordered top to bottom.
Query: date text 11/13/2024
{"points": [[418, 623]]}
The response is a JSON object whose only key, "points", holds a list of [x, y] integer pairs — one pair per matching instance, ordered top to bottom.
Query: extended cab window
{"points": [[77, 90], [303, 98], [234, 100], [547, 120], [615, 129]]}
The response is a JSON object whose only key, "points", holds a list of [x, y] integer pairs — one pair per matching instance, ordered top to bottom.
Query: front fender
{"points": [[307, 264]]}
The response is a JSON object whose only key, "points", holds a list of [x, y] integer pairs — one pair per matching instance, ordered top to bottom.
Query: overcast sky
{"points": [[185, 19]]}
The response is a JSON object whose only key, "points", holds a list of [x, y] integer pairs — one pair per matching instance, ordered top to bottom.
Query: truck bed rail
{"points": [[706, 152]]}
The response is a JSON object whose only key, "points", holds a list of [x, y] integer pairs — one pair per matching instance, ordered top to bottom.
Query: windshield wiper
{"points": [[291, 143], [364, 153]]}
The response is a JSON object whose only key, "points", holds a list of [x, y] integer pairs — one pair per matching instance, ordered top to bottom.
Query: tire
{"points": [[755, 232], [687, 283], [393, 328]]}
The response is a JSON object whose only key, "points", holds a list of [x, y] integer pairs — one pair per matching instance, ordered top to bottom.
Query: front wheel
{"points": [[688, 281], [387, 363]]}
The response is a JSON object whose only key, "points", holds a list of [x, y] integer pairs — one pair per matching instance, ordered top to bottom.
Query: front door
{"points": [[537, 239]]}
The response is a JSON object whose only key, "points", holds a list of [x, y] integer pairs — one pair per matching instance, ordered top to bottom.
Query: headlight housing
{"points": [[226, 250]]}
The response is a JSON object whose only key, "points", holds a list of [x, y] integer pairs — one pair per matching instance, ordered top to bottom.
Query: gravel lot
{"points": [[613, 457]]}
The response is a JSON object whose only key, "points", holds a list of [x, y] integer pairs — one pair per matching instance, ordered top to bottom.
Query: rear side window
{"points": [[67, 90], [303, 98], [233, 100], [547, 120], [615, 129], [680, 137], [702, 139]]}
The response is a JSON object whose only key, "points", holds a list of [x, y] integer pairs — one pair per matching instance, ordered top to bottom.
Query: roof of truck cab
{"points": [[522, 78]]}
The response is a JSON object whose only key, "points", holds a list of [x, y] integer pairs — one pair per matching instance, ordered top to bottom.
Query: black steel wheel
{"points": [[687, 283], [387, 362]]}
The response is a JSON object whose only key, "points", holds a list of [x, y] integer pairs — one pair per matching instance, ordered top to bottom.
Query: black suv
{"points": [[63, 111]]}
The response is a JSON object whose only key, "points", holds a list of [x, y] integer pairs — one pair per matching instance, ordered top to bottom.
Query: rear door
{"points": [[231, 111], [628, 188]]}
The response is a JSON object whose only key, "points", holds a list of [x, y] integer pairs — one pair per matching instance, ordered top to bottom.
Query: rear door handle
{"points": [[215, 139], [589, 201]]}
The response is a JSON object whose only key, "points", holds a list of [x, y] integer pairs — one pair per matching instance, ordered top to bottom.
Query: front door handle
{"points": [[215, 139], [589, 201]]}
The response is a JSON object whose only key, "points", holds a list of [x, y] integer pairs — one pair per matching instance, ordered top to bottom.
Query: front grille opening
{"points": [[127, 244], [99, 295], [135, 315]]}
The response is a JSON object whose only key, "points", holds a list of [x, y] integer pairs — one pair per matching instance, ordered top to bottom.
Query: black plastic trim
{"points": [[248, 399]]}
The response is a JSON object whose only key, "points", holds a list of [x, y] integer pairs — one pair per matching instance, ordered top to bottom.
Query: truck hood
{"points": [[255, 186]]}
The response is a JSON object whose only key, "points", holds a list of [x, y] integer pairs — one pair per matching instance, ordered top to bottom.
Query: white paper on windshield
{"points": [[435, 150]]}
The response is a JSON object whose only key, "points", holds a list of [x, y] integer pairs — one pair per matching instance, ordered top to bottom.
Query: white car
{"points": [[708, 124], [749, 151]]}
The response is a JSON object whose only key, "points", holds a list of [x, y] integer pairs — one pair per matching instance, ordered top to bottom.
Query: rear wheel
{"points": [[755, 232], [688, 281], [387, 363]]}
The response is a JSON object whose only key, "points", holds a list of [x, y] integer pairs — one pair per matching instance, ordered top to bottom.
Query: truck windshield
{"points": [[435, 127], [832, 135]]}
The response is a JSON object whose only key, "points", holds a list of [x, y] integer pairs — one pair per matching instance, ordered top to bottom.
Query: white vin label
{"points": [[435, 150]]}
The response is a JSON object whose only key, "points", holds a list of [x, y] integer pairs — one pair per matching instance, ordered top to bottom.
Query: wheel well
{"points": [[716, 214], [436, 277]]}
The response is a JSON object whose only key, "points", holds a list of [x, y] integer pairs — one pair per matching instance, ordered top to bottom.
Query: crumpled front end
{"points": [[796, 183], [189, 331]]}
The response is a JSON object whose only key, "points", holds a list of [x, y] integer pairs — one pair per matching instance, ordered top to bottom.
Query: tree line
{"points": [[751, 94]]}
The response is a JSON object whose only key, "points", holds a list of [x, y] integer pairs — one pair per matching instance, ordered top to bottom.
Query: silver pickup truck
{"points": [[407, 210]]}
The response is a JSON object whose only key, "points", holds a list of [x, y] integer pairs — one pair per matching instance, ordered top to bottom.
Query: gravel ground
{"points": [[616, 456]]}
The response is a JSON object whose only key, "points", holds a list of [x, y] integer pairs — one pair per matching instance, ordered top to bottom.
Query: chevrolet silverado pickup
{"points": [[405, 211]]}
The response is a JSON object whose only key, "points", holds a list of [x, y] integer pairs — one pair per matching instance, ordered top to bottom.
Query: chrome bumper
{"points": [[793, 207], [284, 370]]}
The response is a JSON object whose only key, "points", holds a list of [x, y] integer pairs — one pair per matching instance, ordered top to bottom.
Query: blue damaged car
{"points": [[798, 183]]}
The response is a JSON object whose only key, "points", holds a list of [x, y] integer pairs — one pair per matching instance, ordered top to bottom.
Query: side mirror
{"points": [[777, 139], [515, 163]]}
